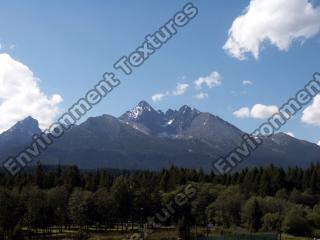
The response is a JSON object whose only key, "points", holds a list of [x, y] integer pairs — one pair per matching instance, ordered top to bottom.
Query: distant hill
{"points": [[144, 138]]}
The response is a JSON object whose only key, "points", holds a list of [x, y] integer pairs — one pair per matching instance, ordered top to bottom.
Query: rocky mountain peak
{"points": [[138, 111], [28, 126]]}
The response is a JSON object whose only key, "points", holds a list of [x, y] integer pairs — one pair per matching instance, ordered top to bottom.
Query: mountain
{"points": [[145, 119], [186, 123], [21, 132], [18, 136], [222, 137], [144, 138], [106, 141], [291, 150]]}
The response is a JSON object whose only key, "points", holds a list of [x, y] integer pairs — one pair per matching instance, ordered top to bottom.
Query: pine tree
{"points": [[40, 175], [314, 182]]}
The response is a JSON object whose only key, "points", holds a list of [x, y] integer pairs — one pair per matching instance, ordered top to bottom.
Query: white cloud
{"points": [[279, 22], [213, 80], [246, 83], [181, 89], [201, 95], [21, 96], [158, 97], [258, 111], [263, 111], [243, 112], [311, 115], [290, 134], [319, 143]]}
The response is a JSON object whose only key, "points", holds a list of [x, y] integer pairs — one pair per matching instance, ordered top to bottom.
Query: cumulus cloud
{"points": [[279, 22], [213, 80], [246, 83], [181, 89], [201, 95], [21, 96], [258, 111], [263, 111], [243, 112], [311, 115], [290, 134], [319, 143]]}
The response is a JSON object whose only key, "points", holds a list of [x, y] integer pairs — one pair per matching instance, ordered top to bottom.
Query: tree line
{"points": [[267, 199]]}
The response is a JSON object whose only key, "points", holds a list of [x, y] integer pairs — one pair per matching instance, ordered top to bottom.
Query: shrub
{"points": [[295, 223]]}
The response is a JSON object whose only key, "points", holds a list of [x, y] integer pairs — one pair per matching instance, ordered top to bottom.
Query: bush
{"points": [[295, 223], [316, 233]]}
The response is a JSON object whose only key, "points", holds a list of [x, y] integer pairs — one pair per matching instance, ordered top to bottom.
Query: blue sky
{"points": [[68, 45]]}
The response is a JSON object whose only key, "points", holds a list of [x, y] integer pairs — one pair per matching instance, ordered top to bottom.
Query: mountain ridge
{"points": [[145, 138]]}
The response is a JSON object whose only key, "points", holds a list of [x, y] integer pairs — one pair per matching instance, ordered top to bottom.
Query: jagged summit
{"points": [[144, 104], [188, 109], [139, 110], [144, 118], [29, 121], [173, 123], [28, 126], [20, 134]]}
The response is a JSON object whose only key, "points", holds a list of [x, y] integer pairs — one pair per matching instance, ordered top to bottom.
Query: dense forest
{"points": [[253, 200]]}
